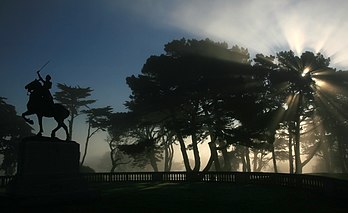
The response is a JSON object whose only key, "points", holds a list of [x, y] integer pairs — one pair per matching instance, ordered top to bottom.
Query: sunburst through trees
{"points": [[204, 92]]}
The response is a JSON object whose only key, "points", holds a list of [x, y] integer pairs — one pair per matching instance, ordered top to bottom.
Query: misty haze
{"points": [[160, 106]]}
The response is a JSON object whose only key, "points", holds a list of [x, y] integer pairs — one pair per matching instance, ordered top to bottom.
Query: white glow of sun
{"points": [[261, 26], [305, 71]]}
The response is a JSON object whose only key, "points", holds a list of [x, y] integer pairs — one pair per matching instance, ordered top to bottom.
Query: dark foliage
{"points": [[13, 130]]}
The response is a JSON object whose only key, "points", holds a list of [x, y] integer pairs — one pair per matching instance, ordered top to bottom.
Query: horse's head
{"points": [[32, 86]]}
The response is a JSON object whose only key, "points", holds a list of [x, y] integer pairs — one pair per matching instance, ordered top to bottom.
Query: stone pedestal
{"points": [[46, 156], [47, 168]]}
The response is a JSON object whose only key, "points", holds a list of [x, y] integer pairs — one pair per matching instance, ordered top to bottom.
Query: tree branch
{"points": [[311, 155]]}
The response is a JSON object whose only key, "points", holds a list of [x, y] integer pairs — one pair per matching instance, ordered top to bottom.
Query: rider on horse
{"points": [[45, 89], [41, 103]]}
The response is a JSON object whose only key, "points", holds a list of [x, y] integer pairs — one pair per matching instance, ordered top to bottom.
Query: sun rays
{"points": [[261, 26]]}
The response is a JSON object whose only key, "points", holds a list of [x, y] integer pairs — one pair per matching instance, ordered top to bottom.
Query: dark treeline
{"points": [[252, 113], [13, 130]]}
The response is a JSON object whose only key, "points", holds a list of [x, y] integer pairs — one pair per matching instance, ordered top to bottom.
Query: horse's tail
{"points": [[64, 113]]}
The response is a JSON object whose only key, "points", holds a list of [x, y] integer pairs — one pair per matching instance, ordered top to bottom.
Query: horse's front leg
{"points": [[39, 117], [27, 119]]}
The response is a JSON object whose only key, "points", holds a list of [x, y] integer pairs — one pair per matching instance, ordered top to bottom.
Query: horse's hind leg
{"points": [[39, 117], [27, 119], [60, 125], [66, 131], [53, 133]]}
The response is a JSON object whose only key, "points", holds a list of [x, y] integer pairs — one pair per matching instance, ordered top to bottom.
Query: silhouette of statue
{"points": [[45, 91], [41, 103]]}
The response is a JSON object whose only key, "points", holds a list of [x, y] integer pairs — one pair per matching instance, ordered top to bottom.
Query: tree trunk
{"points": [[299, 111], [86, 144], [182, 144], [171, 152], [184, 152], [196, 153], [311, 155], [168, 156], [215, 156], [247, 156], [327, 156], [342, 156], [291, 157], [227, 160], [255, 160], [274, 160], [153, 161], [113, 163], [209, 163], [260, 163], [298, 163], [244, 164], [113, 168]]}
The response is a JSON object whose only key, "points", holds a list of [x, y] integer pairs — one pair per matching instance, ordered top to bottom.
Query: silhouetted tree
{"points": [[265, 61], [293, 79], [194, 91], [202, 91], [73, 98], [332, 99], [97, 119], [121, 126], [12, 129], [167, 141], [143, 142], [143, 152]]}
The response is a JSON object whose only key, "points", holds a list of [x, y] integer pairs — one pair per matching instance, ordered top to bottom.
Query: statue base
{"points": [[47, 169]]}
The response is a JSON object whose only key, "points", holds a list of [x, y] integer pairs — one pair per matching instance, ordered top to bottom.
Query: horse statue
{"points": [[43, 108]]}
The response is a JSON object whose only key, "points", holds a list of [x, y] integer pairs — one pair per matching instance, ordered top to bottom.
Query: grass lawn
{"points": [[190, 197]]}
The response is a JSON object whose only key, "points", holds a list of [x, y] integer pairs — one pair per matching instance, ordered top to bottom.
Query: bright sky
{"points": [[98, 43]]}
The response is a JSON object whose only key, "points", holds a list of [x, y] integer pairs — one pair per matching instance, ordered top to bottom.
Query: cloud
{"points": [[264, 26]]}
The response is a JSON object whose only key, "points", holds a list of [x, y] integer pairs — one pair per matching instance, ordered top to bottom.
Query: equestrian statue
{"points": [[41, 103]]}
